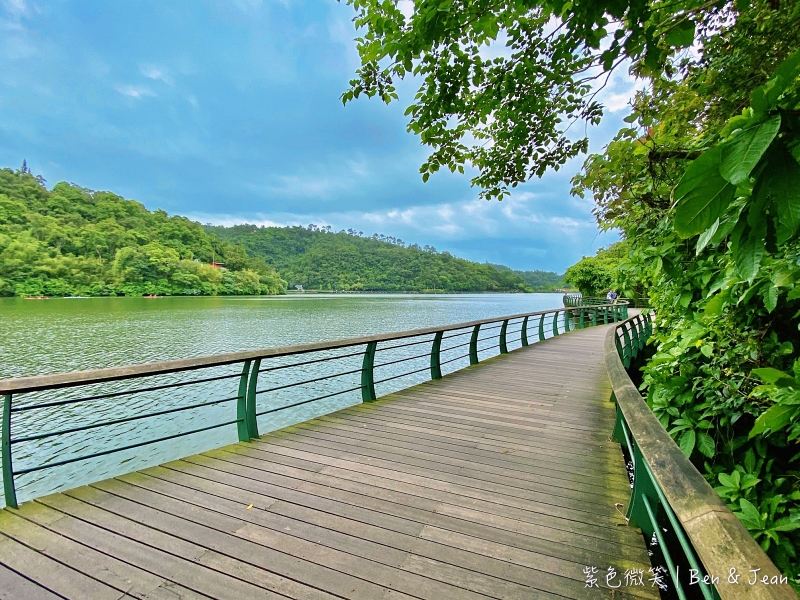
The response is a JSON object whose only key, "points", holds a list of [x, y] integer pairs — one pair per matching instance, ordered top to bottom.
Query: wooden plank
{"points": [[429, 438], [406, 445], [265, 466], [476, 472], [398, 487], [284, 514], [416, 514], [150, 549], [481, 562], [326, 563], [51, 574], [14, 586]]}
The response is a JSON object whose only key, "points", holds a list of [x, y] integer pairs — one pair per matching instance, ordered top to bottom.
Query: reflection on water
{"points": [[40, 337]]}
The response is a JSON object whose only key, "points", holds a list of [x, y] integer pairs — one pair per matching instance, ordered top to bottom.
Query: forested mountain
{"points": [[73, 241], [317, 258], [538, 281]]}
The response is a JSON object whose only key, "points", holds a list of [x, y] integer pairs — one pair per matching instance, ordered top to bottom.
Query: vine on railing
{"points": [[103, 412]]}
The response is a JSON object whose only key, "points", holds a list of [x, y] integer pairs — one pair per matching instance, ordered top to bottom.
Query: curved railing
{"points": [[578, 299], [575, 300], [56, 420], [671, 501]]}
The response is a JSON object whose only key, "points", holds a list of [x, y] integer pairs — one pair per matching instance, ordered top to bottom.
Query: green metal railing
{"points": [[578, 299], [598, 310], [236, 385], [696, 535]]}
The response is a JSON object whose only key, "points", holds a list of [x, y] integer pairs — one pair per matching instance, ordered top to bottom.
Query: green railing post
{"points": [[567, 315], [605, 315], [594, 317], [555, 323], [582, 324], [541, 327], [524, 332], [642, 332], [503, 344], [473, 345], [635, 346], [626, 351], [436, 364], [367, 373], [241, 405], [250, 405], [8, 472]]}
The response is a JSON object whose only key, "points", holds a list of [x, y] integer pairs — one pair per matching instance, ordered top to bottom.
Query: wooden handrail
{"points": [[719, 539]]}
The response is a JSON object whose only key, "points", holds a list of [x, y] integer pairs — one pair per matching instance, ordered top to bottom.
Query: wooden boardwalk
{"points": [[499, 481]]}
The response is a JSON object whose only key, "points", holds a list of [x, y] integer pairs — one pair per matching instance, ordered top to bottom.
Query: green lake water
{"points": [[52, 336]]}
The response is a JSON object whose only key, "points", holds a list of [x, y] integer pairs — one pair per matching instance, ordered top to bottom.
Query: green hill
{"points": [[73, 241], [317, 258], [538, 281]]}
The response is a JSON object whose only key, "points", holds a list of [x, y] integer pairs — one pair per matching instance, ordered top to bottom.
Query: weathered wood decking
{"points": [[498, 481]]}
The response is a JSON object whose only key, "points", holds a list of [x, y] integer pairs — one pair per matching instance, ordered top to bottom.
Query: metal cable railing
{"points": [[74, 417]]}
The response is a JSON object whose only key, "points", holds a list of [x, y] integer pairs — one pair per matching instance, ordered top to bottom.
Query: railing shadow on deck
{"points": [[80, 418], [672, 502]]}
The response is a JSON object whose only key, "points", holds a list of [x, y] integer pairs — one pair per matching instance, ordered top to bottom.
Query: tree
{"points": [[508, 115], [74, 241], [595, 275]]}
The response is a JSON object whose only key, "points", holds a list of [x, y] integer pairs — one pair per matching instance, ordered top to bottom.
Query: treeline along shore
{"points": [[72, 241]]}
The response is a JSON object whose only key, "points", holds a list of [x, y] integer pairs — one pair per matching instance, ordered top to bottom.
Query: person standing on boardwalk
{"points": [[612, 296]]}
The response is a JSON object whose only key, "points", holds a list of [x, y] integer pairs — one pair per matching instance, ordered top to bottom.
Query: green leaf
{"points": [[682, 35], [764, 98], [741, 154], [780, 183], [702, 195], [706, 237], [748, 247], [794, 294], [770, 296], [715, 305], [706, 350], [770, 375], [775, 418], [687, 443], [705, 444], [750, 461], [728, 481], [750, 517], [786, 524]]}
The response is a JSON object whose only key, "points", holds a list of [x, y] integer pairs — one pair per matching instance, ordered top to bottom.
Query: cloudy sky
{"points": [[229, 112]]}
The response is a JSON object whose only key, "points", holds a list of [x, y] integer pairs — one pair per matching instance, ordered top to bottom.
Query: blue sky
{"points": [[229, 112]]}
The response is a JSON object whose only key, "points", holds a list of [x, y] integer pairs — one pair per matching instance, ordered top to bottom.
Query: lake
{"points": [[52, 336]]}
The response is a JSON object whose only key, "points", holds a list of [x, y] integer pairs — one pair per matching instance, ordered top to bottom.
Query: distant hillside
{"points": [[73, 241], [317, 258], [539, 281]]}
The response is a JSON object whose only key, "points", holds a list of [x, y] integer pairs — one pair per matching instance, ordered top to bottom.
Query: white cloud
{"points": [[16, 9], [156, 73], [134, 91], [230, 220]]}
